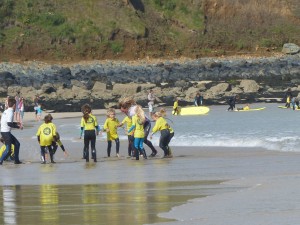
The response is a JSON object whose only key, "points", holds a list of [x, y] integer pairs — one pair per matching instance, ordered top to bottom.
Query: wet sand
{"points": [[197, 186]]}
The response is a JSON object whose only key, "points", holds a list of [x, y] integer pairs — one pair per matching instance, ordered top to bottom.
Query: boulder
{"points": [[290, 48], [7, 79], [249, 86], [220, 88], [125, 89], [80, 93]]}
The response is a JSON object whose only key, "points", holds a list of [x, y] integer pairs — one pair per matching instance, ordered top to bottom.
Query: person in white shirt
{"points": [[151, 99], [6, 125]]}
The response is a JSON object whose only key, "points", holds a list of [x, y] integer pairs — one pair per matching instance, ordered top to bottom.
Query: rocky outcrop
{"points": [[103, 83]]}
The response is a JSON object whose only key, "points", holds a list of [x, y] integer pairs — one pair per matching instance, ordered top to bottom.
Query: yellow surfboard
{"points": [[284, 107], [254, 109], [194, 110]]}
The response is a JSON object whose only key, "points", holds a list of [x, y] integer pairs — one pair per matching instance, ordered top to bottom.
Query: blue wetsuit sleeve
{"points": [[98, 128], [131, 128]]}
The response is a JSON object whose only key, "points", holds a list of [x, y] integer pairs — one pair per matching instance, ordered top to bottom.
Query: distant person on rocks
{"points": [[198, 99]]}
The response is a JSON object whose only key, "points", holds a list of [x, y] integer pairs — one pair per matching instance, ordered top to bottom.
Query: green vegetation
{"points": [[67, 29]]}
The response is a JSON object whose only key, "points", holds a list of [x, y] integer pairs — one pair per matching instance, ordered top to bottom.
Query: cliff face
{"points": [[66, 30], [103, 83]]}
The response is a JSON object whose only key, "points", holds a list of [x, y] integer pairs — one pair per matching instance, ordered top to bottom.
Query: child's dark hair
{"points": [[86, 110], [48, 118]]}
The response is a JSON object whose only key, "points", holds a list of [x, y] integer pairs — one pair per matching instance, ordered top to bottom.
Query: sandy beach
{"points": [[200, 185]]}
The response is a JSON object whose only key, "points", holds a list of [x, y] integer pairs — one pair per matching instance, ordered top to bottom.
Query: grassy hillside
{"points": [[131, 29]]}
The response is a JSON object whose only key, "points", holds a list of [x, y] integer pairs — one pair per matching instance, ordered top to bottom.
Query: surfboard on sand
{"points": [[284, 107], [194, 110], [249, 110]]}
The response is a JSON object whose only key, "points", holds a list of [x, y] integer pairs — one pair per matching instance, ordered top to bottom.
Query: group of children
{"points": [[137, 128]]}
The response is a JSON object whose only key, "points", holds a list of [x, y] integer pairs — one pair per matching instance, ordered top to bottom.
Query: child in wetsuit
{"points": [[175, 107], [138, 121], [128, 122], [89, 125], [110, 126], [166, 132], [46, 134], [57, 143]]}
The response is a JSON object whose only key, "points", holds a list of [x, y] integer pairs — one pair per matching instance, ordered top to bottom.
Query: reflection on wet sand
{"points": [[115, 204], [9, 205]]}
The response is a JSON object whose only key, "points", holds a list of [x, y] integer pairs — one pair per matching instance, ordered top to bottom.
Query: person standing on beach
{"points": [[288, 96], [151, 99], [198, 99], [231, 102], [35, 105], [128, 106], [176, 107], [21, 109], [17, 110], [39, 112], [138, 121], [128, 122], [6, 125], [89, 125], [111, 125], [46, 134], [165, 136]]}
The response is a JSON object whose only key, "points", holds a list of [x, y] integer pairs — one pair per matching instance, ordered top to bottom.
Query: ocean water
{"points": [[271, 129]]}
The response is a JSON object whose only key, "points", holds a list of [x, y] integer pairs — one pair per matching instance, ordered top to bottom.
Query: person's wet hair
{"points": [[86, 110]]}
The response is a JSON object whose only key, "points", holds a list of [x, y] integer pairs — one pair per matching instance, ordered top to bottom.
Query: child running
{"points": [[138, 121], [128, 122], [110, 126], [90, 127], [165, 131], [46, 134]]}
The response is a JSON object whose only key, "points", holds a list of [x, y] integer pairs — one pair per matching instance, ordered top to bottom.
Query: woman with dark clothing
{"points": [[231, 102]]}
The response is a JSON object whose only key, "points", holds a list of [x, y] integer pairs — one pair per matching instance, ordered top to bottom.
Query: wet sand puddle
{"points": [[113, 203]]}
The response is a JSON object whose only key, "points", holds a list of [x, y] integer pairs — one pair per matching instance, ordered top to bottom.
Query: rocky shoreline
{"points": [[65, 87]]}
